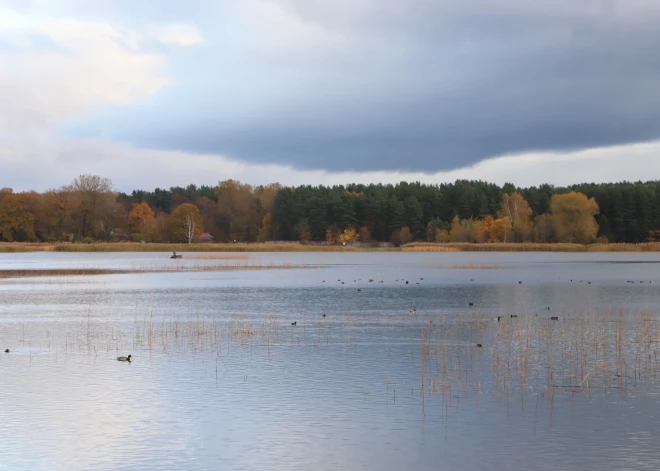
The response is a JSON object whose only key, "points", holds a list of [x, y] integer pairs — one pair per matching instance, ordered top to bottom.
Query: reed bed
{"points": [[20, 247], [238, 247], [529, 247], [218, 257], [469, 266], [161, 268], [24, 273], [582, 353]]}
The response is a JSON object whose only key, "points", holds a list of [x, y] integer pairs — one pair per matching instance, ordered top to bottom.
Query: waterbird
{"points": [[422, 279], [371, 281], [406, 282], [520, 282], [359, 289], [471, 304], [413, 311], [322, 315], [514, 315], [498, 318], [554, 318], [294, 323], [479, 345], [6, 350], [128, 358]]}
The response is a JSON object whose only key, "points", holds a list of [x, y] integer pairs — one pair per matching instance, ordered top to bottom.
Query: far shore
{"points": [[298, 247]]}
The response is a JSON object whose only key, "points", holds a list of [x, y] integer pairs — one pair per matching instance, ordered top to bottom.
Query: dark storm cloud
{"points": [[406, 84]]}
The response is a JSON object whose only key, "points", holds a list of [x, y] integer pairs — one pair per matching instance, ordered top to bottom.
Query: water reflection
{"points": [[222, 380]]}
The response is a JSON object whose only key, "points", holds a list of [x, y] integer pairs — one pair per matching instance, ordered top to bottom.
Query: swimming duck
{"points": [[323, 315], [514, 315], [554, 318], [294, 323], [479, 345], [6, 350], [128, 358]]}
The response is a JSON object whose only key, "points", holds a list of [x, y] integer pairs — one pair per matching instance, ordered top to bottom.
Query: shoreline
{"points": [[26, 247]]}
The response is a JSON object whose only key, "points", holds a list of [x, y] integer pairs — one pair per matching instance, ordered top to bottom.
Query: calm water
{"points": [[222, 380]]}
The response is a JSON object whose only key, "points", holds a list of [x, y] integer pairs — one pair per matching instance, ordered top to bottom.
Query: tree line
{"points": [[89, 209]]}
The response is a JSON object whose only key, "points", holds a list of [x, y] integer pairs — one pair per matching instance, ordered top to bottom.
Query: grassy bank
{"points": [[292, 247], [529, 247]]}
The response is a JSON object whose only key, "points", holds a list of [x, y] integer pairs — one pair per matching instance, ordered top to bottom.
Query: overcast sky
{"points": [[328, 91]]}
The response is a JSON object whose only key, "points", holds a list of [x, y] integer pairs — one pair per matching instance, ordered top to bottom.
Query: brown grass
{"points": [[529, 247], [218, 257], [472, 266], [23, 273]]}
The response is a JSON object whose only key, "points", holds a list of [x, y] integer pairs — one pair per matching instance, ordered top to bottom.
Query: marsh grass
{"points": [[529, 247], [184, 248], [218, 257], [470, 266], [161, 268], [64, 272]]}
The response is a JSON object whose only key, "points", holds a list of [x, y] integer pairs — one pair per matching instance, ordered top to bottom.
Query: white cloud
{"points": [[180, 34], [58, 68], [42, 161]]}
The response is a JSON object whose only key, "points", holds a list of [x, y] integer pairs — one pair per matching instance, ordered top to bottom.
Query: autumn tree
{"points": [[90, 200], [516, 208], [573, 216], [16, 219], [140, 219], [185, 223], [348, 235]]}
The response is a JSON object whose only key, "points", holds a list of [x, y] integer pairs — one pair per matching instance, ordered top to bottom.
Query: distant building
{"points": [[205, 238]]}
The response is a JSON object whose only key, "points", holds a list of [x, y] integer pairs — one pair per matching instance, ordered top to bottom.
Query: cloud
{"points": [[181, 34], [61, 68], [405, 85], [38, 162]]}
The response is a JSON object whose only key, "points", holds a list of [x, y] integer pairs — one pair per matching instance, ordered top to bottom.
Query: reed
{"points": [[529, 247], [184, 248], [160, 268]]}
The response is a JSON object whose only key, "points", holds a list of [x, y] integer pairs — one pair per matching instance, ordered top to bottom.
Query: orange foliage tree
{"points": [[140, 219]]}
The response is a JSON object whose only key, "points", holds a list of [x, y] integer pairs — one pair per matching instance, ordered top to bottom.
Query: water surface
{"points": [[222, 380]]}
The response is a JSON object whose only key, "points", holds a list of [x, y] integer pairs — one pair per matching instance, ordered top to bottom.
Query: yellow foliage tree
{"points": [[516, 208], [573, 216], [185, 223], [500, 230], [348, 235]]}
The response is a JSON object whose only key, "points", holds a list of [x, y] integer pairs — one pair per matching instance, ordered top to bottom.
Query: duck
{"points": [[174, 255], [406, 282], [471, 304], [413, 311], [323, 315], [514, 315], [498, 318], [554, 318], [294, 323], [479, 345], [6, 350], [128, 358]]}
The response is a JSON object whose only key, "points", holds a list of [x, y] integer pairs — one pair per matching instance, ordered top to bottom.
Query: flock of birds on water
{"points": [[412, 311]]}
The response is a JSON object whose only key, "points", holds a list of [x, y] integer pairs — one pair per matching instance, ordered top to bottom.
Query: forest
{"points": [[90, 209]]}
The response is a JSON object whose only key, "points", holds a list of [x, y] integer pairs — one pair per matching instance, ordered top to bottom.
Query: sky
{"points": [[156, 94]]}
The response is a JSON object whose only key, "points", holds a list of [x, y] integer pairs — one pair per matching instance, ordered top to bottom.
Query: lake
{"points": [[382, 369]]}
